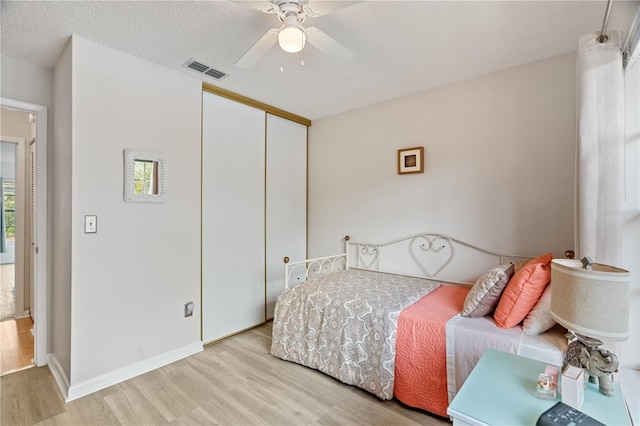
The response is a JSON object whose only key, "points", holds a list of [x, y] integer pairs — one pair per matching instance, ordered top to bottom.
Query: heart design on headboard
{"points": [[435, 251], [368, 255]]}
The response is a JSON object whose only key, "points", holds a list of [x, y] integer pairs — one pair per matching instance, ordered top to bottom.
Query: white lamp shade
{"points": [[291, 39], [593, 303]]}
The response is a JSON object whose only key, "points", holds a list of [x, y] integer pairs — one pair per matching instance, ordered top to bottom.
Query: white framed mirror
{"points": [[145, 177]]}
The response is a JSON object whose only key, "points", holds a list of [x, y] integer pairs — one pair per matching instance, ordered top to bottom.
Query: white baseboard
{"points": [[25, 314], [58, 375], [105, 380], [69, 393]]}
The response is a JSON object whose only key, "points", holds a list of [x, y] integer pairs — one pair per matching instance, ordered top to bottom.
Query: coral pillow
{"points": [[523, 291]]}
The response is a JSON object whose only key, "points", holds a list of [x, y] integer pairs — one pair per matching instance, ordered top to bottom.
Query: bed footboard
{"points": [[297, 272]]}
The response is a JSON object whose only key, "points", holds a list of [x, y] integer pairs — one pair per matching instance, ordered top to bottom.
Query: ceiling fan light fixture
{"points": [[291, 38]]}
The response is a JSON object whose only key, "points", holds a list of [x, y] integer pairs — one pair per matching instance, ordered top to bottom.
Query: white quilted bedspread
{"points": [[344, 324]]}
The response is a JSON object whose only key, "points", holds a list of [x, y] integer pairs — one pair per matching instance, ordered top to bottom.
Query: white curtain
{"points": [[600, 152]]}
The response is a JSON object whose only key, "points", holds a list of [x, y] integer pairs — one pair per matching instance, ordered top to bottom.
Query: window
{"points": [[9, 201]]}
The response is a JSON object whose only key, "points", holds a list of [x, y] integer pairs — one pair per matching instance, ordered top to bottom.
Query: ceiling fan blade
{"points": [[265, 6], [318, 8], [327, 45], [258, 50]]}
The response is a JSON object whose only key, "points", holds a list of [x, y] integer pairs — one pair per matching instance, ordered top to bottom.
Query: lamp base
{"points": [[598, 364]]}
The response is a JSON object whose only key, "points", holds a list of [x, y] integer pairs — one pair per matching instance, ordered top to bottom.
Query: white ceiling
{"points": [[399, 47]]}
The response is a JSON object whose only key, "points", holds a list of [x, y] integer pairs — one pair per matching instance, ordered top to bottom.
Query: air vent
{"points": [[204, 69], [215, 73]]}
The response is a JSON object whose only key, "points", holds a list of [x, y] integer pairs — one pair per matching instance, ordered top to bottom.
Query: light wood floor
{"points": [[16, 344], [235, 381]]}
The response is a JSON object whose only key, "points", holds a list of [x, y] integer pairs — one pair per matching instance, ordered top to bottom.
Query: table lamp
{"points": [[591, 300]]}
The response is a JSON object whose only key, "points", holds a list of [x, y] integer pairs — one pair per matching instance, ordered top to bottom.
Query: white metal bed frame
{"points": [[368, 256]]}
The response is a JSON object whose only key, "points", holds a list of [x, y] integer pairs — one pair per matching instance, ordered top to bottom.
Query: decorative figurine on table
{"points": [[599, 364]]}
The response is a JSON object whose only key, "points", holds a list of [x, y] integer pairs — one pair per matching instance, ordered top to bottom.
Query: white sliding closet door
{"points": [[286, 200], [233, 218]]}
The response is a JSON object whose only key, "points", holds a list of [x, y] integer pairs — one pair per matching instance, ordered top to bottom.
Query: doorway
{"points": [[8, 156], [23, 234], [16, 260]]}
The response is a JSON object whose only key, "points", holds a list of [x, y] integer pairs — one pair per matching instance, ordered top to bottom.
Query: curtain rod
{"points": [[603, 38]]}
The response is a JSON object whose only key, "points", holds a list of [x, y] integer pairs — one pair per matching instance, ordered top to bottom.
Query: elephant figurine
{"points": [[598, 364]]}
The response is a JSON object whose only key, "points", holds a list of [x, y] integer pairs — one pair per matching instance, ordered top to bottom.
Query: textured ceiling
{"points": [[399, 47]]}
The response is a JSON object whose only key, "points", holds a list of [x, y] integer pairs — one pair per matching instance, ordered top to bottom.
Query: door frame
{"points": [[39, 311]]}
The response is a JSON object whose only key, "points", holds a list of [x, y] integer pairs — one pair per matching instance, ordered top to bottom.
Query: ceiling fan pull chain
{"points": [[281, 62]]}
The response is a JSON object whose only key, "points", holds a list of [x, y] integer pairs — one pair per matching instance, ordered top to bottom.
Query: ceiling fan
{"points": [[291, 35]]}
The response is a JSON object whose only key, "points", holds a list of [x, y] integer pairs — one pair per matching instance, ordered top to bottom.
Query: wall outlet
{"points": [[189, 307]]}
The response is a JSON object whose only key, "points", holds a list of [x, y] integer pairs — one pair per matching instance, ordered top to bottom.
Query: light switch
{"points": [[90, 224]]}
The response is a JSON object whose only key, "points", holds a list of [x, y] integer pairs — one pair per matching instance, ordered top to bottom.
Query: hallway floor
{"points": [[16, 345]]}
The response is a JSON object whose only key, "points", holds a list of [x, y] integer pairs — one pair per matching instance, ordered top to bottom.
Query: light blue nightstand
{"points": [[501, 390]]}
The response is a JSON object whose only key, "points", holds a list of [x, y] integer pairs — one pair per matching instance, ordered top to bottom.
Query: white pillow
{"points": [[539, 319]]}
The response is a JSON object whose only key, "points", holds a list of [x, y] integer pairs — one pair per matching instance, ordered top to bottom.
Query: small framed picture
{"points": [[411, 160]]}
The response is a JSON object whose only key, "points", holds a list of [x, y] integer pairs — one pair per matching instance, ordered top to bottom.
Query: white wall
{"points": [[26, 82], [498, 171], [60, 206], [130, 281], [116, 298]]}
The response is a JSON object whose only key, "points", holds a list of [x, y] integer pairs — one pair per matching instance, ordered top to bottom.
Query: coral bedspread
{"points": [[421, 360]]}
